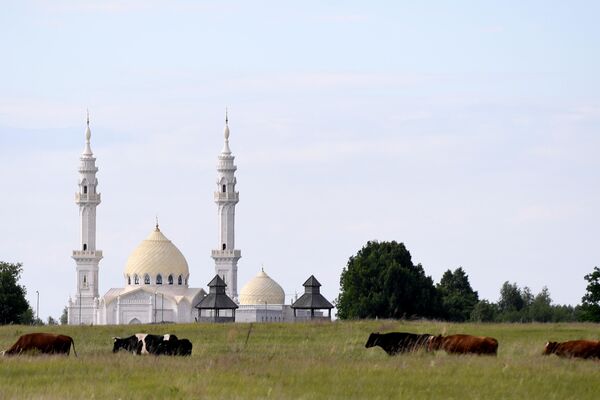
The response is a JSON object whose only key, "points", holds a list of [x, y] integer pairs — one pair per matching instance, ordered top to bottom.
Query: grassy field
{"points": [[302, 361]]}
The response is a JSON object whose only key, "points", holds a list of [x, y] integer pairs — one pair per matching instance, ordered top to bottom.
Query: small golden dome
{"points": [[260, 290]]}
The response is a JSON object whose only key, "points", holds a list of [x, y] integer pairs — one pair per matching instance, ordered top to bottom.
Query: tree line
{"points": [[381, 281]]}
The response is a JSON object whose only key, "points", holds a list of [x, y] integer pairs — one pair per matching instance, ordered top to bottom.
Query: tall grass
{"points": [[302, 361]]}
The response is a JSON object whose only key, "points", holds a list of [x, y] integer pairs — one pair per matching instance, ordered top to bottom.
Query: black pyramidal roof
{"points": [[312, 297], [216, 298]]}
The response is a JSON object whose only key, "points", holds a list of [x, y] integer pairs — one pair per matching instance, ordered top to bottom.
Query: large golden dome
{"points": [[156, 257], [260, 290]]}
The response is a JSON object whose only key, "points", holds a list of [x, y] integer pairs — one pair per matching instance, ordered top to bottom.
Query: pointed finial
{"points": [[226, 132], [88, 134], [157, 224]]}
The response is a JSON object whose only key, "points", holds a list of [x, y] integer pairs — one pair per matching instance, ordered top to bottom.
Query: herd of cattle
{"points": [[402, 342], [140, 343], [392, 343]]}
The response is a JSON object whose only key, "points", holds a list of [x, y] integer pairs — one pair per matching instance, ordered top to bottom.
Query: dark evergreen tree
{"points": [[382, 281], [457, 296], [590, 302], [13, 305]]}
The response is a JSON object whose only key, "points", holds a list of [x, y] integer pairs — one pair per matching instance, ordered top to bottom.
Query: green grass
{"points": [[302, 361]]}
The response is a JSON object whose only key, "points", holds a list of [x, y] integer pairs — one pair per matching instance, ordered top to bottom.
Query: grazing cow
{"points": [[397, 342], [46, 343], [143, 343], [150, 343], [131, 344], [464, 344], [175, 347], [184, 348], [574, 348]]}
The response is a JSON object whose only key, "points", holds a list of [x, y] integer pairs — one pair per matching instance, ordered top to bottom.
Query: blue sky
{"points": [[467, 130]]}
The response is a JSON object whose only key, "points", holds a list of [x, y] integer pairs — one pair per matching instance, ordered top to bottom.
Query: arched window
{"points": [[224, 188], [85, 190], [84, 246], [224, 246], [136, 279], [146, 279], [158, 279], [170, 279], [85, 280], [128, 280], [179, 280]]}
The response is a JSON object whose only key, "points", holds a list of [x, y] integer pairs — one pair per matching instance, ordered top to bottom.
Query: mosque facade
{"points": [[156, 273]]}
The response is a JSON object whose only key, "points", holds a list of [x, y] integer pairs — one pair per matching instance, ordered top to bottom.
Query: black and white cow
{"points": [[143, 343], [151, 343], [131, 344], [175, 347]]}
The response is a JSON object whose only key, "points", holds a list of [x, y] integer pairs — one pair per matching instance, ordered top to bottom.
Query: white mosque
{"points": [[156, 274]]}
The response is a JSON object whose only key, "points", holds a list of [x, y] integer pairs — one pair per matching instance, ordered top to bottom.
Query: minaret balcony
{"points": [[227, 197], [87, 198], [226, 253], [87, 254]]}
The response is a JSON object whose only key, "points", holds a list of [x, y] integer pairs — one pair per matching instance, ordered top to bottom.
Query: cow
{"points": [[397, 342], [46, 343], [143, 343], [131, 344], [464, 344], [175, 347], [184, 348], [574, 348]]}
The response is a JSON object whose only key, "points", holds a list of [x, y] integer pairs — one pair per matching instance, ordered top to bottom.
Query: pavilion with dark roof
{"points": [[312, 300], [211, 306]]}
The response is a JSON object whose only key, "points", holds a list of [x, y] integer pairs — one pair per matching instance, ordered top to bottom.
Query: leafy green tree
{"points": [[382, 281], [457, 296], [510, 298], [590, 302], [13, 305], [540, 309], [484, 311], [64, 317], [52, 321]]}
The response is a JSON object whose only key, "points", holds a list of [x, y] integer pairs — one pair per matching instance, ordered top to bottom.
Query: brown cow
{"points": [[46, 343], [464, 344], [574, 348]]}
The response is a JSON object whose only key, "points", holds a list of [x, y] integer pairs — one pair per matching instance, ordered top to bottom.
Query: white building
{"points": [[156, 273], [155, 277]]}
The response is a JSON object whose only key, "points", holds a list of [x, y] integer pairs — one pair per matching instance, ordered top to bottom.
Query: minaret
{"points": [[226, 257], [82, 309]]}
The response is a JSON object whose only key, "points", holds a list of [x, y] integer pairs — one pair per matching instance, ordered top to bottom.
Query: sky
{"points": [[467, 130]]}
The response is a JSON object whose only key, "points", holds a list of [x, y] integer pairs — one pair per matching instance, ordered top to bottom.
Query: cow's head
{"points": [[373, 339], [434, 342], [120, 344], [550, 348]]}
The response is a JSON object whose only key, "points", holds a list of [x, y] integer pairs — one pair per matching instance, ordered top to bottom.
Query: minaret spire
{"points": [[226, 149], [87, 151]]}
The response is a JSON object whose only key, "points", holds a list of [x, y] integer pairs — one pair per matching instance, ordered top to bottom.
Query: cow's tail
{"points": [[73, 344]]}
